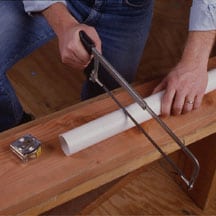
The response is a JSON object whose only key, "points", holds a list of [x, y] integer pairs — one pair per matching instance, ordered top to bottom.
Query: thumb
{"points": [[159, 87]]}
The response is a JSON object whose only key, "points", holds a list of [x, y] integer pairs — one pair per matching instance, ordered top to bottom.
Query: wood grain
{"points": [[43, 84], [46, 86], [53, 178], [147, 191]]}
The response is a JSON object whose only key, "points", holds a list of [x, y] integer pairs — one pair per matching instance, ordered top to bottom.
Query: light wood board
{"points": [[53, 178]]}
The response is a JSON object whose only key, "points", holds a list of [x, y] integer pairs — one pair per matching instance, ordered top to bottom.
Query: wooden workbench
{"points": [[54, 178]]}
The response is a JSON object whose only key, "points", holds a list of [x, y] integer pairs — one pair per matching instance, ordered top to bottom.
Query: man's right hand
{"points": [[67, 30], [71, 49]]}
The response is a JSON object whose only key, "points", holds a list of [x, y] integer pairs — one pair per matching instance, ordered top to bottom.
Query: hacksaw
{"points": [[99, 59]]}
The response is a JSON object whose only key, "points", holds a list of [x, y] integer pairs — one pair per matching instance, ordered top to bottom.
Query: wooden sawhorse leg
{"points": [[205, 187]]}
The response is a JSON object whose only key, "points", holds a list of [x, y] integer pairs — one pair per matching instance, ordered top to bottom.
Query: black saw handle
{"points": [[87, 42]]}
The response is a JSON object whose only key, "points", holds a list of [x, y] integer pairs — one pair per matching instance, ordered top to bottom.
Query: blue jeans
{"points": [[122, 25]]}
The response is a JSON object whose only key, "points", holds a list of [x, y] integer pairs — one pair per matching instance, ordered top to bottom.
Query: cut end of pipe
{"points": [[64, 145]]}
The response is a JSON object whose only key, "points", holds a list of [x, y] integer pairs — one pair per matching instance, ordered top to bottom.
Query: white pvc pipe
{"points": [[115, 122]]}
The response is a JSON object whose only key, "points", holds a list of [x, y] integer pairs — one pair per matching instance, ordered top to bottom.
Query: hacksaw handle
{"points": [[87, 42]]}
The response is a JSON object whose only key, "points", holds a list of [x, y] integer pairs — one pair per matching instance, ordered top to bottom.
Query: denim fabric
{"points": [[123, 26], [20, 34]]}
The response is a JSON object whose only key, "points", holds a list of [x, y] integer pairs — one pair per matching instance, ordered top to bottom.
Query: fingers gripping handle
{"points": [[87, 42]]}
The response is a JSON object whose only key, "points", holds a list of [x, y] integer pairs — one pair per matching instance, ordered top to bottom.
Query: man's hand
{"points": [[67, 30], [71, 49], [185, 85], [184, 89]]}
